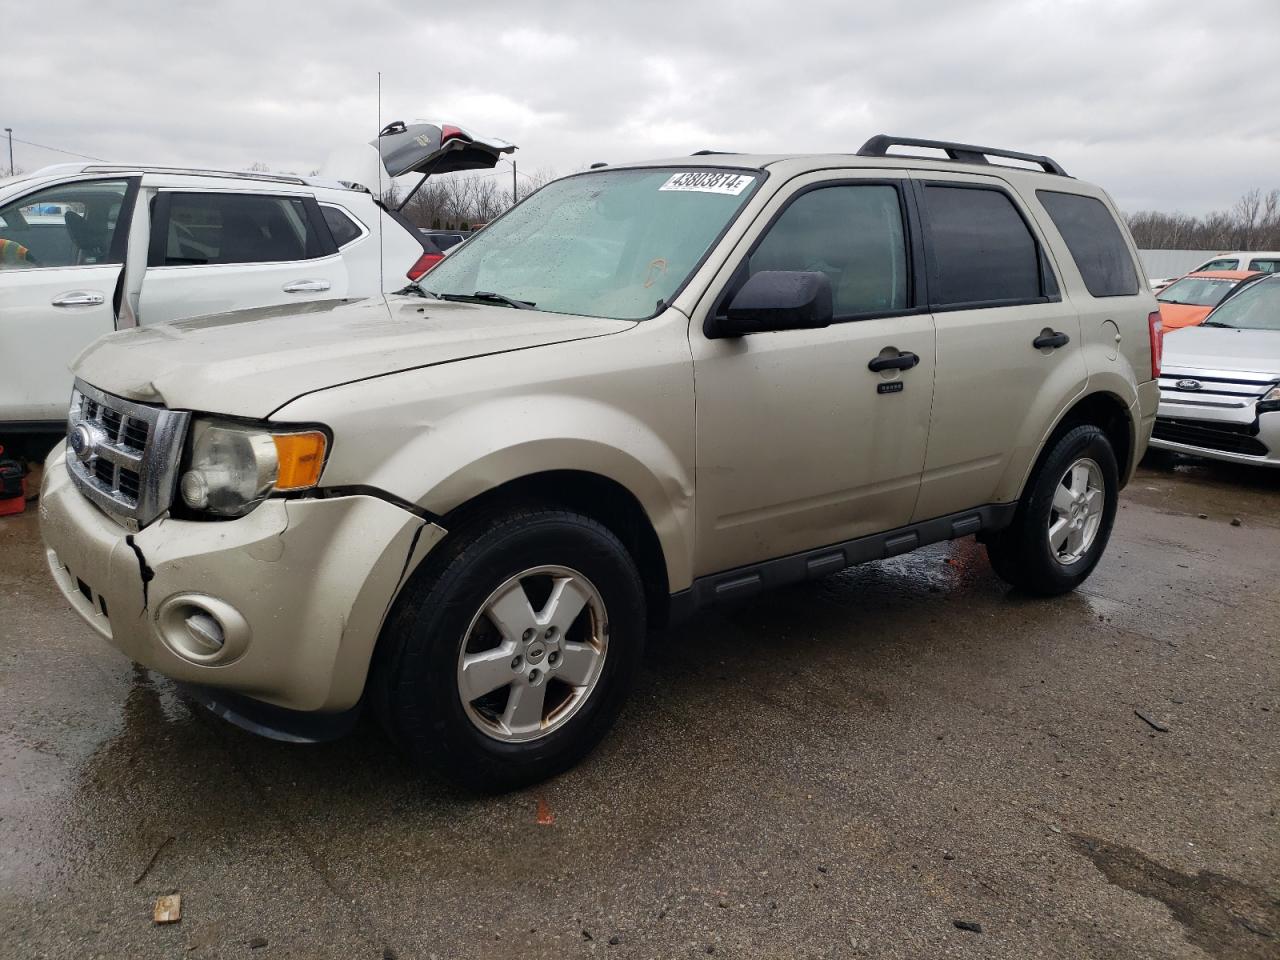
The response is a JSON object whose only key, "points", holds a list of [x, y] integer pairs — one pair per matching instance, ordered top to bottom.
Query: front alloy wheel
{"points": [[511, 650], [533, 654]]}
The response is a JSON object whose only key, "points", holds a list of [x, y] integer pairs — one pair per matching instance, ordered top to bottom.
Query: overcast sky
{"points": [[1167, 104]]}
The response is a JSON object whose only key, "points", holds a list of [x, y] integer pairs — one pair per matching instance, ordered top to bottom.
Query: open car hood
{"points": [[421, 146]]}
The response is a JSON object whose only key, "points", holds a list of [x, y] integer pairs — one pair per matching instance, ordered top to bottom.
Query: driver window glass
{"points": [[69, 225], [852, 233]]}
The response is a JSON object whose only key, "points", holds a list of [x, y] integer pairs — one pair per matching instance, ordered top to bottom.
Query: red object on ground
{"points": [[13, 487]]}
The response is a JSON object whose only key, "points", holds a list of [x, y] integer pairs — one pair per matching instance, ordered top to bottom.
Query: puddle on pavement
{"points": [[1222, 916]]}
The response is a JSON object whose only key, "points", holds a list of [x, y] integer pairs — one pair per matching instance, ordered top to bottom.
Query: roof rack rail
{"points": [[878, 146], [711, 153], [237, 174]]}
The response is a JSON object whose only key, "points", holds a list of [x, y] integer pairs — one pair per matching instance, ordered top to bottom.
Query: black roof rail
{"points": [[878, 146], [711, 153]]}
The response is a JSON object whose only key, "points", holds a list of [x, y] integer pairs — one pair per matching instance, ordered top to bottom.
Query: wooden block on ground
{"points": [[169, 908]]}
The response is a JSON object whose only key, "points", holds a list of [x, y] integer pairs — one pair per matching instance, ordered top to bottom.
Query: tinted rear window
{"points": [[207, 228], [343, 228], [1095, 242], [981, 249]]}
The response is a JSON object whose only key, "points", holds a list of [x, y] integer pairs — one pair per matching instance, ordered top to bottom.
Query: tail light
{"points": [[423, 264], [1156, 327]]}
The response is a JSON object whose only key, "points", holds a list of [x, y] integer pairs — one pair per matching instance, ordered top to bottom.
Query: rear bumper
{"points": [[304, 585]]}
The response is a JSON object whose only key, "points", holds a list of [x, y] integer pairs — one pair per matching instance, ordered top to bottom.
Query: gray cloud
{"points": [[1165, 103]]}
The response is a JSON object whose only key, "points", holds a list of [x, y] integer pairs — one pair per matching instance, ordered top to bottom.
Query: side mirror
{"points": [[777, 300]]}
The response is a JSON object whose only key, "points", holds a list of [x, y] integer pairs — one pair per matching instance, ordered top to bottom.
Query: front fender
{"points": [[617, 406]]}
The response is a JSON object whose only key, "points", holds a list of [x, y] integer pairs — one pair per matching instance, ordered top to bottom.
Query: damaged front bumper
{"points": [[282, 606]]}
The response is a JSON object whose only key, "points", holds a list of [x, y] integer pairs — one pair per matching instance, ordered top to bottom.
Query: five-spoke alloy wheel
{"points": [[1063, 520], [511, 650], [533, 653]]}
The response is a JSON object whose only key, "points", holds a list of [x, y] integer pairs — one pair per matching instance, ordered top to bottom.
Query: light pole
{"points": [[9, 131]]}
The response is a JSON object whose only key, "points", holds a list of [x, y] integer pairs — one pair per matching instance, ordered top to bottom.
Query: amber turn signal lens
{"points": [[301, 458]]}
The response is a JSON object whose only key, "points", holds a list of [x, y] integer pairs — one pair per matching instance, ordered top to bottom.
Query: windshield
{"points": [[617, 244], [1196, 291], [1255, 308]]}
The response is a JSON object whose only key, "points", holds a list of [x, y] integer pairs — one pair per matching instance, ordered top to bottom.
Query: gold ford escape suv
{"points": [[644, 389]]}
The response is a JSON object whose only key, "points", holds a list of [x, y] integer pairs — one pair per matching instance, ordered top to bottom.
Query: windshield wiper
{"points": [[487, 296], [1217, 323]]}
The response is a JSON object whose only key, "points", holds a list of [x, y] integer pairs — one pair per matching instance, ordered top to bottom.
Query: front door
{"points": [[61, 250], [799, 443]]}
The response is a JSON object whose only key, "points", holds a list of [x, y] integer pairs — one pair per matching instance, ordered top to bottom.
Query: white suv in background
{"points": [[89, 248]]}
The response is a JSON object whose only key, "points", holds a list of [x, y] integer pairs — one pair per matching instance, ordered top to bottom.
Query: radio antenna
{"points": [[382, 286]]}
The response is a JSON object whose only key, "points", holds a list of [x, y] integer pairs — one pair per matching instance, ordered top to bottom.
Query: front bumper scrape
{"points": [[309, 582]]}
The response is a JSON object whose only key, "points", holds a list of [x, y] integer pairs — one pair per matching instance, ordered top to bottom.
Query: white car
{"points": [[89, 248], [1264, 261], [1220, 382]]}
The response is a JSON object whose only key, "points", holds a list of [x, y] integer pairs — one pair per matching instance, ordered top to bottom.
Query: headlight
{"points": [[1271, 401], [234, 467]]}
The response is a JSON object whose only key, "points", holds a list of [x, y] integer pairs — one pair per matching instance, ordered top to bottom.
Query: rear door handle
{"points": [[306, 286], [79, 298], [1052, 340], [903, 361]]}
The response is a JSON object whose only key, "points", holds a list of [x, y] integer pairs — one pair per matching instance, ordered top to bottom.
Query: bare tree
{"points": [[1252, 223]]}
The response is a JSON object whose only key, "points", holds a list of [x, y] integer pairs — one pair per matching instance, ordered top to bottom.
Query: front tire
{"points": [[1063, 521], [510, 654]]}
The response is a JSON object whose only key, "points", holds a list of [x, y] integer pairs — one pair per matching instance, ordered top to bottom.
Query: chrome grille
{"points": [[124, 455]]}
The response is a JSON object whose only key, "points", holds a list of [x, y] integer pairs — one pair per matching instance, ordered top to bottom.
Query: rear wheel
{"points": [[1063, 522], [510, 654]]}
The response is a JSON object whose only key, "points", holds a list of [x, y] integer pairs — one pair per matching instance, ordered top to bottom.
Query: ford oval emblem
{"points": [[1189, 384]]}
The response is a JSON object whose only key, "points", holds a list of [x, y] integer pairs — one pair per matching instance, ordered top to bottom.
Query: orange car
{"points": [[1186, 302]]}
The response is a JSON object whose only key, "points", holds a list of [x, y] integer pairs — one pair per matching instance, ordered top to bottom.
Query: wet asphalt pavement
{"points": [[840, 769]]}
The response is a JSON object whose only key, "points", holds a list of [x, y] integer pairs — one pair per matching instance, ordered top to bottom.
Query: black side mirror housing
{"points": [[777, 300]]}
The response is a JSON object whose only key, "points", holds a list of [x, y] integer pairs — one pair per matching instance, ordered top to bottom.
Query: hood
{"points": [[1174, 316], [1219, 348], [251, 362]]}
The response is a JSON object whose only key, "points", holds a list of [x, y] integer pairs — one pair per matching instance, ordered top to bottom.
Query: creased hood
{"points": [[1220, 348], [251, 362]]}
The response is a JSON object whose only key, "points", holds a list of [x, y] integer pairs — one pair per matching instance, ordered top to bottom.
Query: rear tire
{"points": [[1063, 521], [476, 676]]}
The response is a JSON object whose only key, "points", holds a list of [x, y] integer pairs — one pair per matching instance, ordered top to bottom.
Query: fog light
{"points": [[202, 629]]}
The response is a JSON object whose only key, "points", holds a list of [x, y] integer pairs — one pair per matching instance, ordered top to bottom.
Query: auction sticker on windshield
{"points": [[709, 181]]}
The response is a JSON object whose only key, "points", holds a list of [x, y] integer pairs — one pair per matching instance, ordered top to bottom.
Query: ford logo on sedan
{"points": [[1189, 384]]}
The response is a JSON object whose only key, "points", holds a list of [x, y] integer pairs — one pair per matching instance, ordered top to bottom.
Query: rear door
{"points": [[61, 250], [217, 250], [1008, 342]]}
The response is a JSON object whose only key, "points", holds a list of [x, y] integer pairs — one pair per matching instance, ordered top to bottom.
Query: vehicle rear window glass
{"points": [[68, 225], [210, 228], [343, 228], [854, 235], [1095, 241], [981, 249], [1218, 265], [1266, 266], [1196, 291]]}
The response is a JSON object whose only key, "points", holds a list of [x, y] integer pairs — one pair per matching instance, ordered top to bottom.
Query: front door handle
{"points": [[306, 286], [79, 298], [1051, 340], [903, 361]]}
